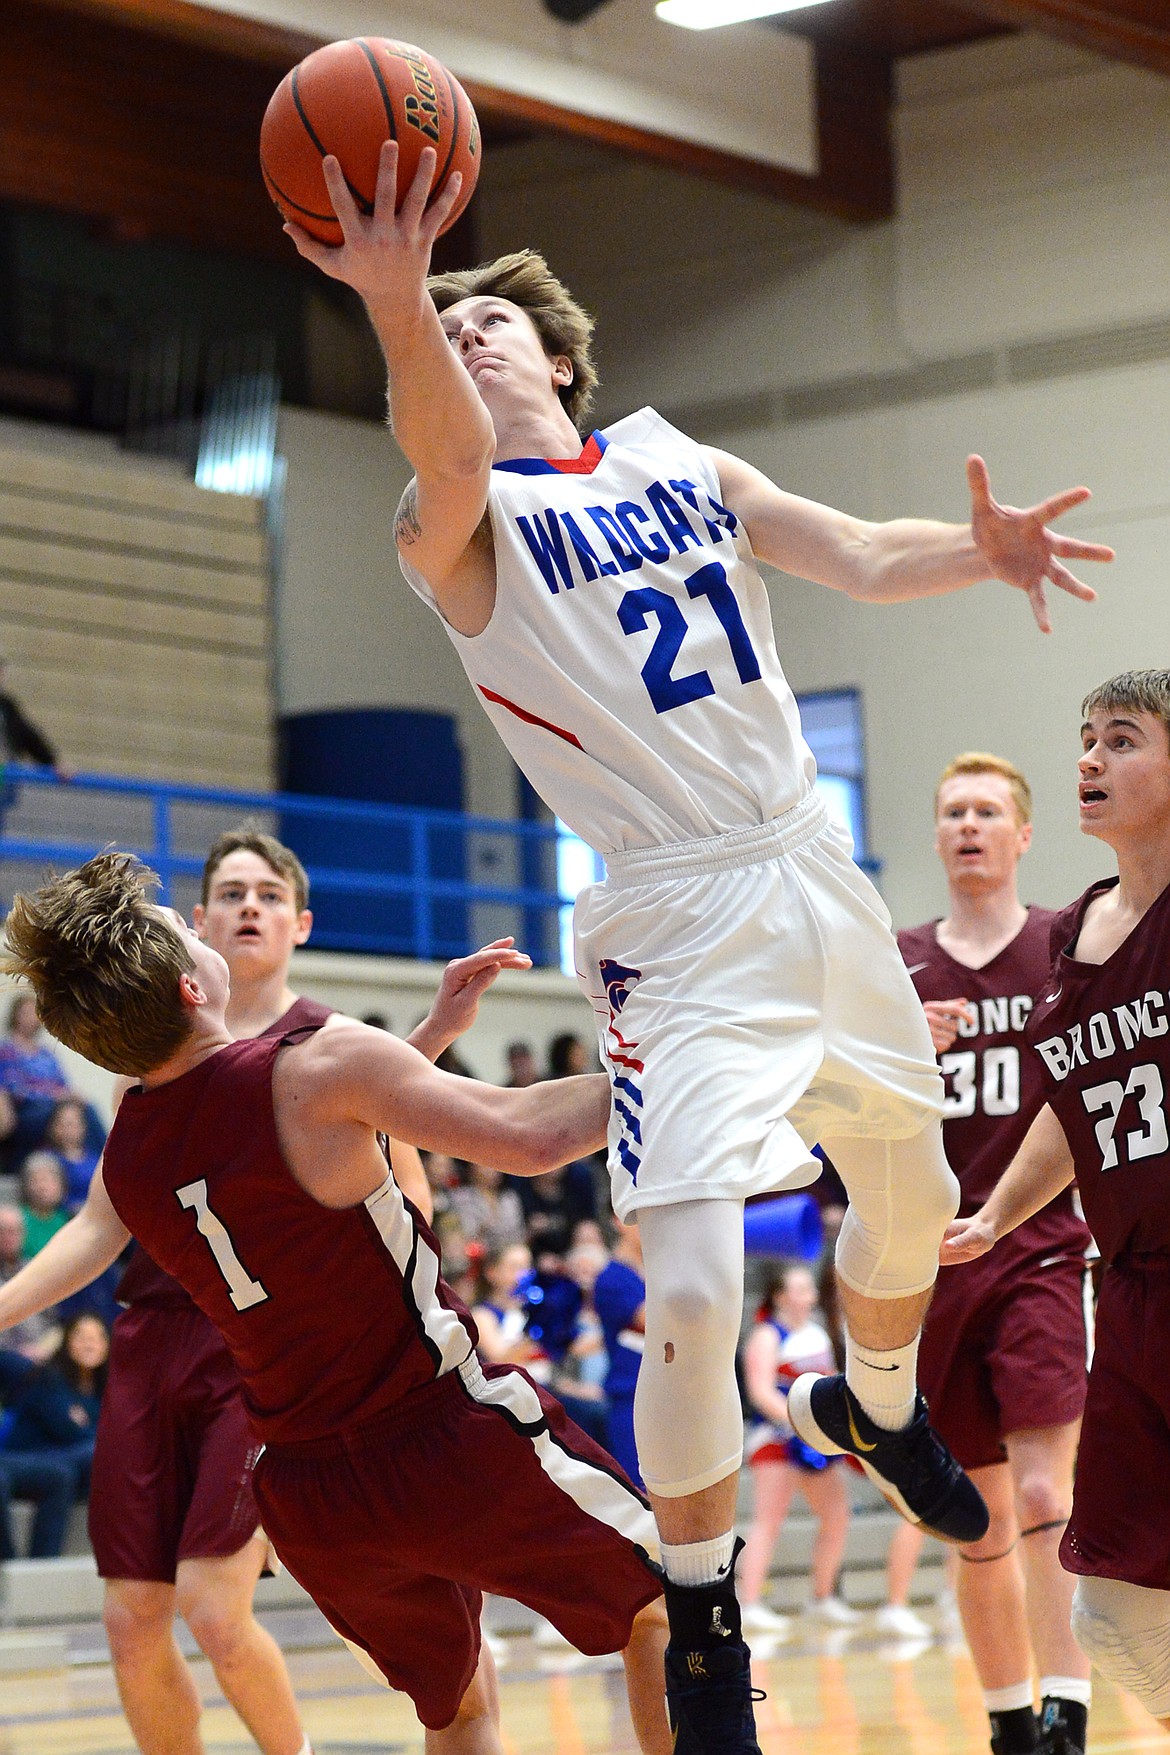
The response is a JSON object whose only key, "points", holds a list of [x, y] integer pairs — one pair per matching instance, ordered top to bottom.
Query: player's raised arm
{"points": [[436, 414], [912, 557], [1040, 1170], [91, 1242]]}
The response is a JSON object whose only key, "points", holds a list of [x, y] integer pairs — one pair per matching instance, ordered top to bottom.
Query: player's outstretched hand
{"points": [[385, 255], [1020, 549], [465, 981], [944, 1017], [965, 1240]]}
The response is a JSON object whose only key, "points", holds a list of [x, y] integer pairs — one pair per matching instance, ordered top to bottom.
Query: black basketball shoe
{"points": [[912, 1468], [708, 1669], [709, 1699], [1063, 1727]]}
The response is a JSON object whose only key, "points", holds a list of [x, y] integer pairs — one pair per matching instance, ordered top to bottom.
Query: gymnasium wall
{"points": [[1019, 305]]}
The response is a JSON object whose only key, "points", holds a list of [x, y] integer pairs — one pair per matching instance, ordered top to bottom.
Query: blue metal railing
{"points": [[386, 879]]}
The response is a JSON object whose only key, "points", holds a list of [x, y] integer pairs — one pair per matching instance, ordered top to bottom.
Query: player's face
{"points": [[499, 345], [1124, 779], [978, 833], [251, 916], [211, 970], [797, 1297]]}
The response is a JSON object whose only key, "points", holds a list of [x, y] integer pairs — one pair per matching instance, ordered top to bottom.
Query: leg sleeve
{"points": [[687, 1417]]}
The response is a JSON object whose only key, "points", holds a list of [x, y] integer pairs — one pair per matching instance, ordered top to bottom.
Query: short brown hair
{"points": [[564, 327], [1138, 691], [979, 762], [249, 837], [103, 962]]}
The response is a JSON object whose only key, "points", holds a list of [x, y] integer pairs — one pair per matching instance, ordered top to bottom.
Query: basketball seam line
{"points": [[387, 100], [442, 176], [367, 207]]}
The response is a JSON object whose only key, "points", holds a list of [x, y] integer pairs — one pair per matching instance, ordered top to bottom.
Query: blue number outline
{"points": [[667, 691]]}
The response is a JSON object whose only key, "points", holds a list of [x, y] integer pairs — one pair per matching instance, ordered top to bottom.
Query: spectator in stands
{"points": [[20, 738], [567, 1055], [522, 1068], [30, 1074], [66, 1136], [443, 1177], [42, 1200], [553, 1205], [489, 1213], [619, 1296], [501, 1314], [37, 1337], [785, 1341], [578, 1379], [46, 1446]]}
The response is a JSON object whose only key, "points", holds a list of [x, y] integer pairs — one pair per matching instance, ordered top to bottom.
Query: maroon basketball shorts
{"points": [[1005, 1349], [172, 1468], [478, 1482], [1120, 1525]]}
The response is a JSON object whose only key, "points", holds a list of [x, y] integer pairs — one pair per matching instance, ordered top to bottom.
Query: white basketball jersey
{"points": [[630, 664]]}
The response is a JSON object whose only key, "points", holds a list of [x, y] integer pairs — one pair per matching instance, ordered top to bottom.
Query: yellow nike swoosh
{"points": [[858, 1440]]}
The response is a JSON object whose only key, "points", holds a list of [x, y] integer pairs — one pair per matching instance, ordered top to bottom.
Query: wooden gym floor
{"points": [[828, 1694]]}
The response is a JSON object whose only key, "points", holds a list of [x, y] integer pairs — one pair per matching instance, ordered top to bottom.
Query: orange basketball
{"points": [[346, 99]]}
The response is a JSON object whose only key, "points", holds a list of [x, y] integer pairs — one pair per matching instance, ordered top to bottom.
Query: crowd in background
{"points": [[52, 1366]]}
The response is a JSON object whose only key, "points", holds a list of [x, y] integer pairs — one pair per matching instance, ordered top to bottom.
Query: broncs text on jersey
{"points": [[1116, 1031]]}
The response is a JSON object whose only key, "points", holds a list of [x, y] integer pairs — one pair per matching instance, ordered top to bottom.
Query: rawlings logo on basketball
{"points": [[421, 105], [619, 981]]}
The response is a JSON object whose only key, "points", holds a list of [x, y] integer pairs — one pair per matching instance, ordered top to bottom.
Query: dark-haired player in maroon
{"points": [[1101, 1034], [1003, 1360], [397, 1480], [172, 1518]]}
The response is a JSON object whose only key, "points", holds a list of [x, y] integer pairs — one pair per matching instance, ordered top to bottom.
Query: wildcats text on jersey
{"points": [[626, 533]]}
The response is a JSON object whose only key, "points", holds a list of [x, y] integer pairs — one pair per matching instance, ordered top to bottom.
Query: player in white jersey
{"points": [[605, 601]]}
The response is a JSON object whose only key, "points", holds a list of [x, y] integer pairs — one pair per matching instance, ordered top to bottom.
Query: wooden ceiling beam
{"points": [[1136, 31], [855, 182]]}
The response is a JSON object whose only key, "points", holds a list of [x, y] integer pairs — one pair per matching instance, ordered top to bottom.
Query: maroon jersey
{"points": [[1102, 1036], [993, 1084], [144, 1281], [331, 1316]]}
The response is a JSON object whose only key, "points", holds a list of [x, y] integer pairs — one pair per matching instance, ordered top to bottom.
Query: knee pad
{"points": [[902, 1196], [1125, 1630]]}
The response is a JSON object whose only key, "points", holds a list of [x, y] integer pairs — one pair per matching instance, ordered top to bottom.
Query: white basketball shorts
{"points": [[750, 1001]]}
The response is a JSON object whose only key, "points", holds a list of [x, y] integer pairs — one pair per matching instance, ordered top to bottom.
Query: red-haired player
{"points": [[1004, 1349]]}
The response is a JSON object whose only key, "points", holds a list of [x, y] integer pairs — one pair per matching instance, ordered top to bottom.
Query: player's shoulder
{"points": [[1065, 924], [919, 944]]}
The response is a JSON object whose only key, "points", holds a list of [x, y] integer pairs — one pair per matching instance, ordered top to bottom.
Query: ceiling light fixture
{"points": [[573, 11], [707, 14]]}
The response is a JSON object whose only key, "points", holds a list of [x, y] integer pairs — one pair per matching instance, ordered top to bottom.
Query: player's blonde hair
{"points": [[524, 278], [1135, 691], [980, 762], [249, 837], [104, 963]]}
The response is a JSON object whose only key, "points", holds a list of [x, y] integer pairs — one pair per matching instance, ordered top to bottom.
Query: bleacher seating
{"points": [[135, 613]]}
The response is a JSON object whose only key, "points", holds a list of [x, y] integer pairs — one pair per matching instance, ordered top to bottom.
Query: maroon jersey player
{"points": [[1101, 1033], [251, 1171], [1003, 1358], [173, 1521]]}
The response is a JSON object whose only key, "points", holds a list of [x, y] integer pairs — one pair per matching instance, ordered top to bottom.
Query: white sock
{"points": [[885, 1383], [698, 1562], [1078, 1688], [1008, 1699]]}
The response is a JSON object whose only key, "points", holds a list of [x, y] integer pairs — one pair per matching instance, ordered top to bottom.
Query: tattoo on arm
{"points": [[407, 528]]}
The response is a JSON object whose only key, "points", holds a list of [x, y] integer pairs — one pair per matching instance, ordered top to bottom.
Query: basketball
{"points": [[346, 99]]}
